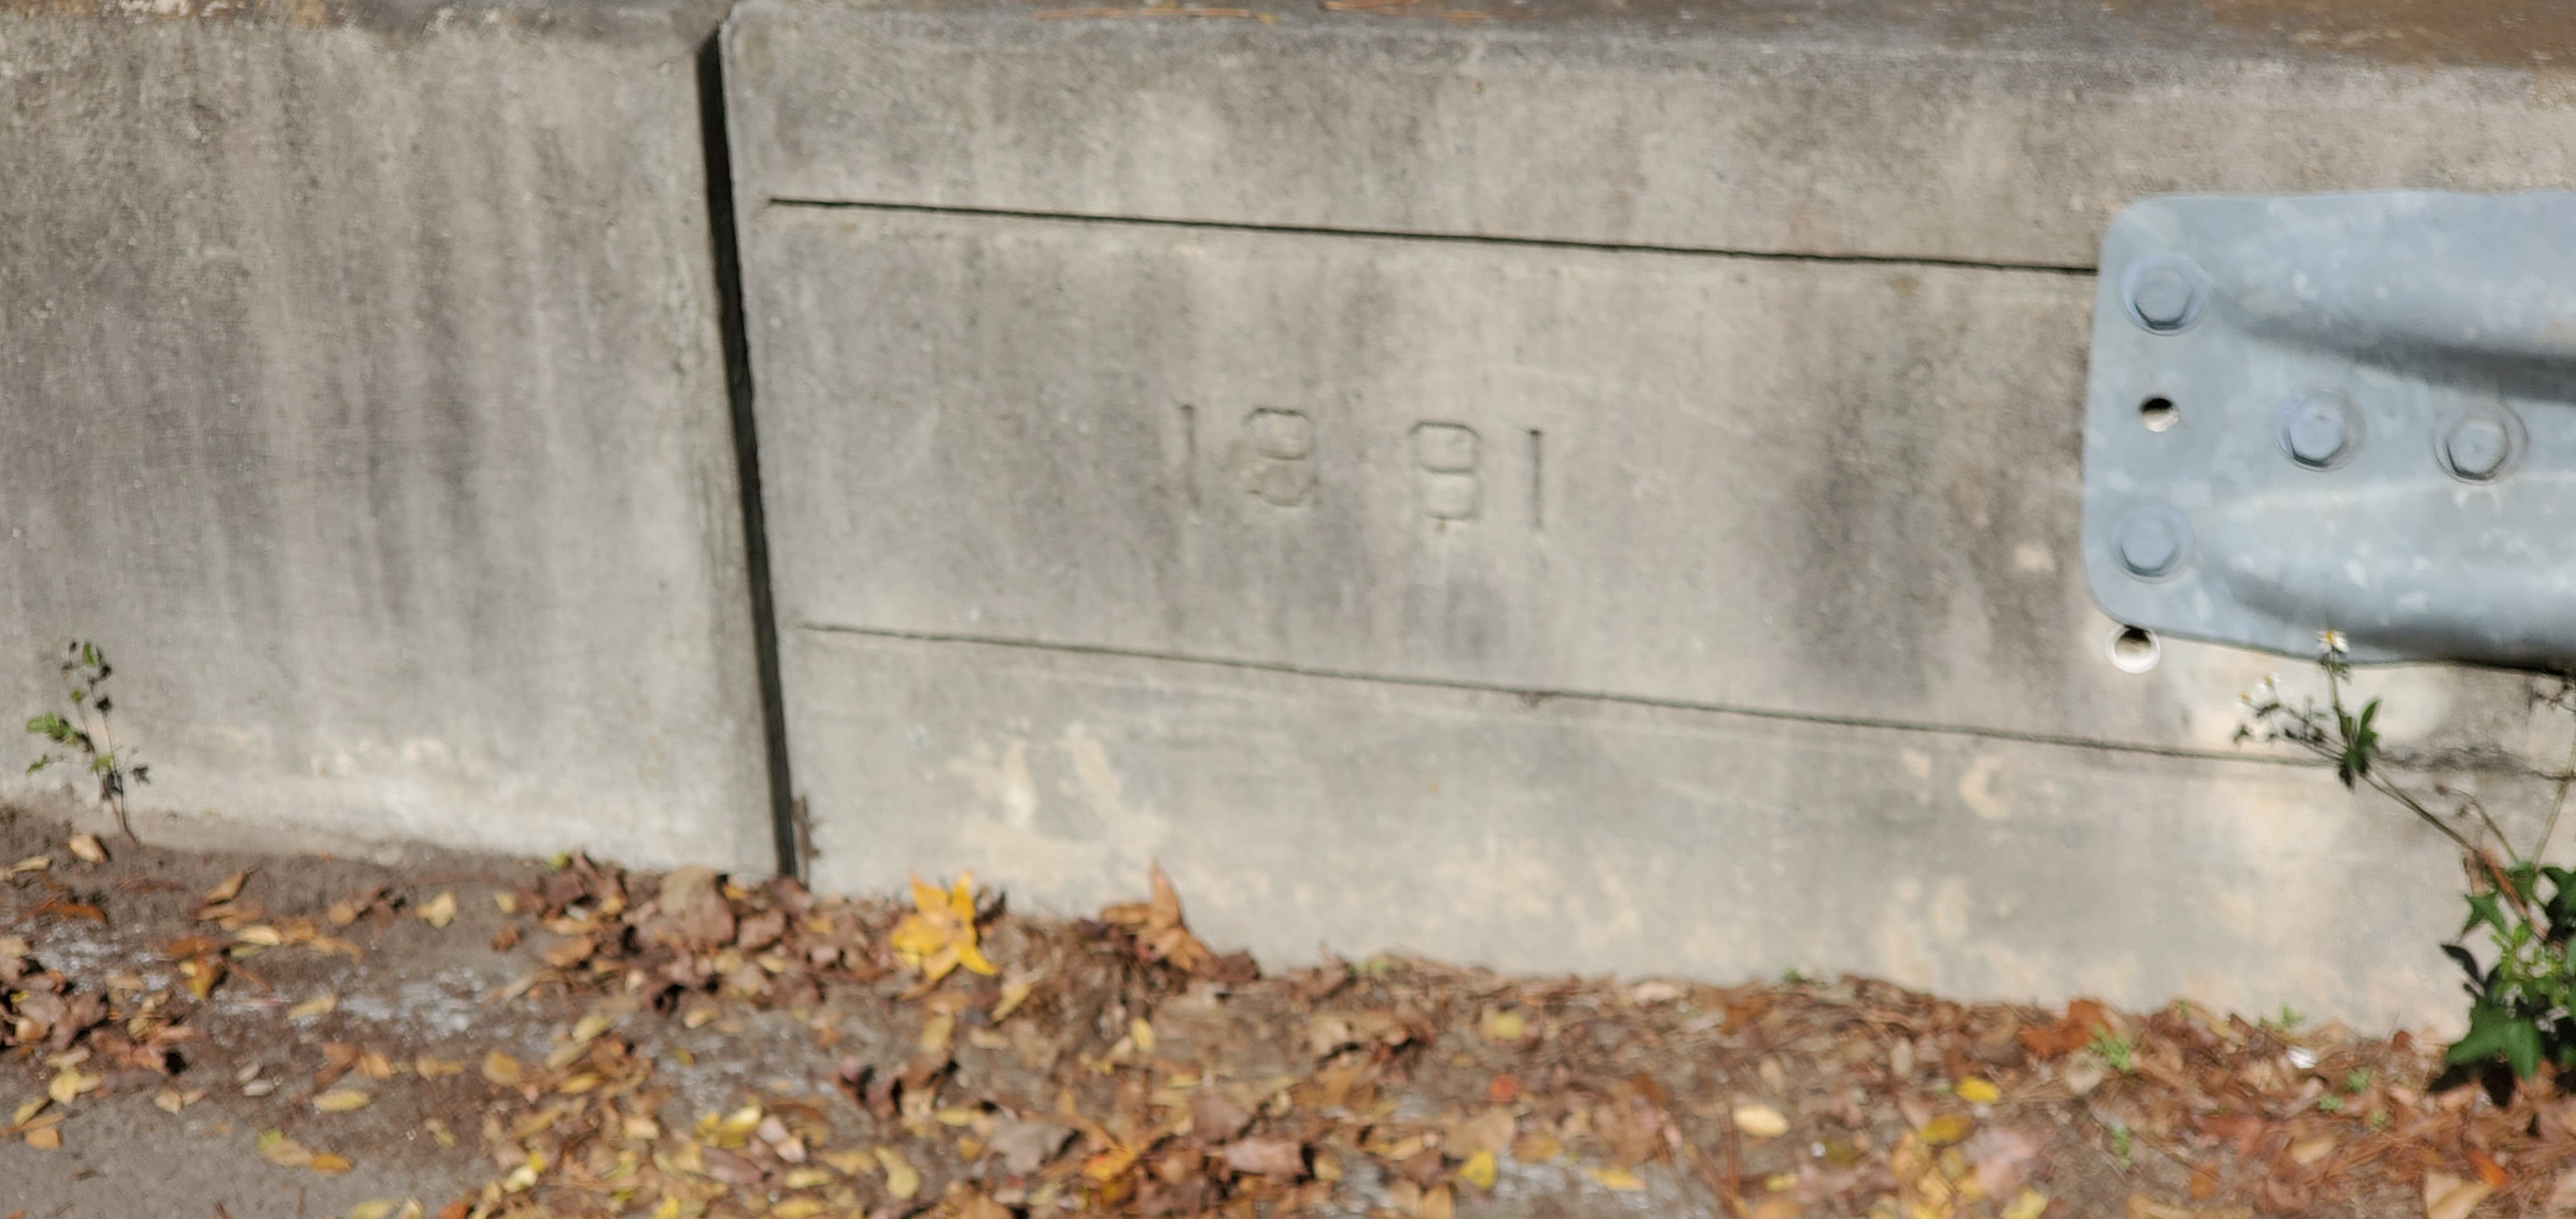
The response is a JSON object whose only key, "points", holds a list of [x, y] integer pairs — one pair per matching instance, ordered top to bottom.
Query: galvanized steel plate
{"points": [[2339, 411]]}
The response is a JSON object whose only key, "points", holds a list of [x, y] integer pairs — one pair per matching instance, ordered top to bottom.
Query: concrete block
{"points": [[1981, 132], [365, 398], [1660, 432], [1842, 491], [1595, 835]]}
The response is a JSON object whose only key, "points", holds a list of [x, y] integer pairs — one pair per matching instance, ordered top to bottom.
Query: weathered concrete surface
{"points": [[1984, 131], [365, 398], [1249, 426], [1835, 490], [1592, 836]]}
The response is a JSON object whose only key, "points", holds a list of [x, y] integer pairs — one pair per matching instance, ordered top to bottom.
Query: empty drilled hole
{"points": [[2158, 414], [2135, 649]]}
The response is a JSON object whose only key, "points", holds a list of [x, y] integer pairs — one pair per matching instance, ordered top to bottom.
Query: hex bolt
{"points": [[2163, 297], [2316, 432], [2477, 448], [2150, 544]]}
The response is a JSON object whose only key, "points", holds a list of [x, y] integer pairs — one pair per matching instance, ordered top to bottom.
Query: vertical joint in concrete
{"points": [[786, 825]]}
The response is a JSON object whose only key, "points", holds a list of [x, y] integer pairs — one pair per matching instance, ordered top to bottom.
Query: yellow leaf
{"points": [[86, 848], [32, 863], [229, 888], [441, 910], [261, 934], [939, 935], [202, 973], [1013, 995], [318, 1005], [1502, 1026], [936, 1030], [1142, 1033], [436, 1068], [501, 1069], [71, 1083], [1978, 1091], [170, 1100], [341, 1100], [30, 1109], [1760, 1121], [1947, 1128], [46, 1139], [282, 1151], [851, 1163], [1111, 1164], [1479, 1170], [808, 1178], [1619, 1179], [902, 1181], [2447, 1198], [2028, 1205], [796, 1208], [377, 1209]]}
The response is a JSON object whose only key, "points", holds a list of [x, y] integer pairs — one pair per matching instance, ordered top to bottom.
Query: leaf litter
{"points": [[952, 1060]]}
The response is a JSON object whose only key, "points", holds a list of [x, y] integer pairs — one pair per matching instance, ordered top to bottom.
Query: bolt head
{"points": [[2163, 297], [2317, 433], [2477, 448], [2150, 544]]}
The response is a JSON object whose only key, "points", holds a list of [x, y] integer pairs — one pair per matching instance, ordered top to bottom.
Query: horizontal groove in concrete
{"points": [[2082, 271], [1535, 696]]}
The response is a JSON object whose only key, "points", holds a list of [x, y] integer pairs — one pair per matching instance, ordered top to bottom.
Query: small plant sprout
{"points": [[87, 738], [2520, 1003], [2119, 1052], [2357, 1081]]}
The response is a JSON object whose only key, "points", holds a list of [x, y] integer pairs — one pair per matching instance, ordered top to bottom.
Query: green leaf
{"points": [[39, 764], [2525, 878], [2482, 909], [2485, 1038], [2522, 1047]]}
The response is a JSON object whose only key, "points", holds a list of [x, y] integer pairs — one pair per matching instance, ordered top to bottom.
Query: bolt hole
{"points": [[2158, 414], [2135, 649]]}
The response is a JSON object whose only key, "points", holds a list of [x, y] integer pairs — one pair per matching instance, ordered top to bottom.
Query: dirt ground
{"points": [[195, 1034]]}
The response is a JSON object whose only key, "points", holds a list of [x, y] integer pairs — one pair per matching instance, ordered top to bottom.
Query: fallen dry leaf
{"points": [[86, 848], [227, 889], [439, 912], [1159, 929], [939, 934], [318, 1005], [501, 1069], [341, 1100], [1760, 1121], [48, 1138], [274, 1147], [1266, 1157], [1480, 1170], [1619, 1179], [902, 1180], [2448, 1197]]}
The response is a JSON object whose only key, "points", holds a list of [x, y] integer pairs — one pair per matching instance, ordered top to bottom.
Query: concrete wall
{"points": [[364, 396], [1574, 486], [1581, 491]]}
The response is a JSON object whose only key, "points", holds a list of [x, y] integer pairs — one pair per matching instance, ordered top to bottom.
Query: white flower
{"points": [[2333, 642], [2265, 693], [2301, 1056]]}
